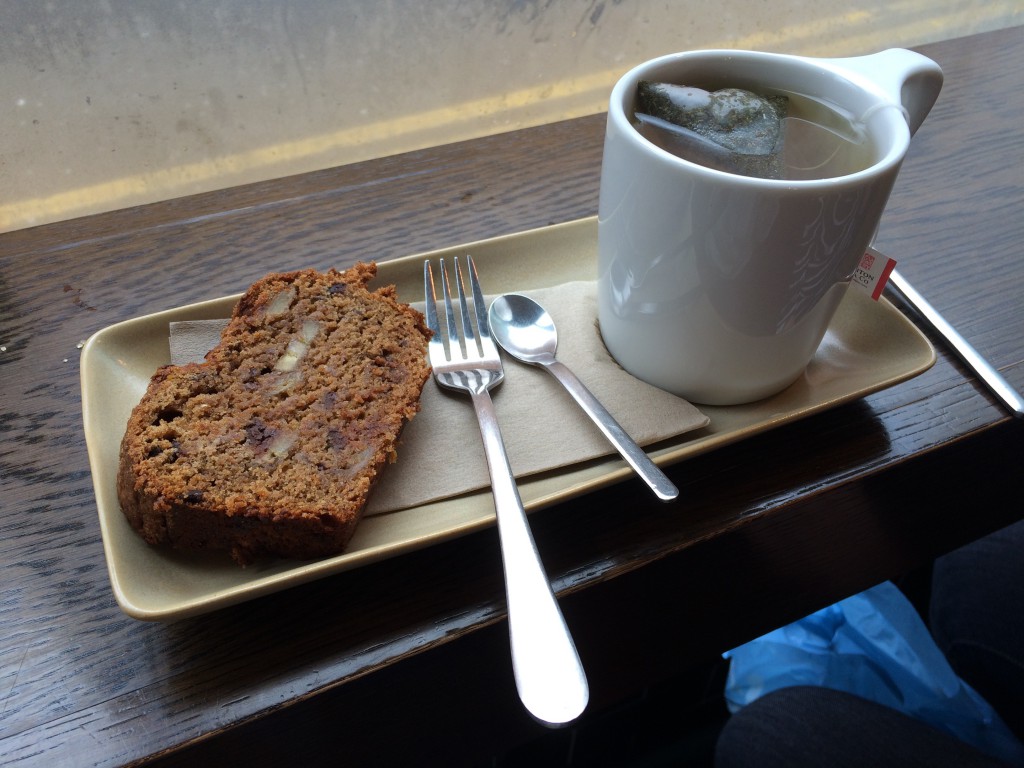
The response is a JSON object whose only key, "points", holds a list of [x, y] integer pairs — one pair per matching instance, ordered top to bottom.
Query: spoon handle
{"points": [[634, 455]]}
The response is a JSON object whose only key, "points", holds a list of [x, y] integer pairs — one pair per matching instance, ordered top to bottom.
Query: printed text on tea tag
{"points": [[873, 273]]}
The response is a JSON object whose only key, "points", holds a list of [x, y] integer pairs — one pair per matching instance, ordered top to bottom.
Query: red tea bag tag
{"points": [[873, 273]]}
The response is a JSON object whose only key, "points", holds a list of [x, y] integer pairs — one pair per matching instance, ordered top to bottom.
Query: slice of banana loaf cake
{"points": [[271, 446]]}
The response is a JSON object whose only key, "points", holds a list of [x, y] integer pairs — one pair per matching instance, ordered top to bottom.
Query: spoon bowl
{"points": [[523, 327]]}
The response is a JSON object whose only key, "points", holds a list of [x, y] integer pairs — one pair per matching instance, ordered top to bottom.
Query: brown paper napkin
{"points": [[543, 428]]}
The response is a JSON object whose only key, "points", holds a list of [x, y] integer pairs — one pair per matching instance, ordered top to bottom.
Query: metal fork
{"points": [[549, 676]]}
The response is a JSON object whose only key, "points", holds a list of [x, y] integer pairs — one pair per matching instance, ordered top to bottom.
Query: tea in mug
{"points": [[781, 135]]}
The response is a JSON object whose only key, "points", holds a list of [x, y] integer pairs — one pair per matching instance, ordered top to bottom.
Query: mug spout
{"points": [[905, 78]]}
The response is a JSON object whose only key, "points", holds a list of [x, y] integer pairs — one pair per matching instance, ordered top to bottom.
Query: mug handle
{"points": [[906, 78]]}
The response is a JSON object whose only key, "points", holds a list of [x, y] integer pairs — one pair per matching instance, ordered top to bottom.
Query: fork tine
{"points": [[478, 298], [430, 300], [468, 334], [454, 339], [487, 346]]}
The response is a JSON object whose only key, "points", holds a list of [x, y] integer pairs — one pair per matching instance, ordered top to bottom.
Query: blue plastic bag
{"points": [[876, 646]]}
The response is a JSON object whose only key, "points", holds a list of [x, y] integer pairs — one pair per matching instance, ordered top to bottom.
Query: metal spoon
{"points": [[526, 331]]}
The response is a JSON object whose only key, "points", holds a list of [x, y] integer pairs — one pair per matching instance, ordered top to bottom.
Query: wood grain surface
{"points": [[406, 661]]}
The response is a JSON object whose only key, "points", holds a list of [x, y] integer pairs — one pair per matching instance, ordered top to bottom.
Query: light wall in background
{"points": [[110, 103]]}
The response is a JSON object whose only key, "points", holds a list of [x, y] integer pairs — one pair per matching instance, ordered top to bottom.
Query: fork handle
{"points": [[549, 675]]}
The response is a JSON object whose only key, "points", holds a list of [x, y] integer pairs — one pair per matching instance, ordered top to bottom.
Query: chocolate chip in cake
{"points": [[258, 434]]}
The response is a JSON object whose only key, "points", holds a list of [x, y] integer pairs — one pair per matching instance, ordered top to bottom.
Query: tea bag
{"points": [[730, 129]]}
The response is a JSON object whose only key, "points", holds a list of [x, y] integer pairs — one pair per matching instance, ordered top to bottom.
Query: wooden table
{"points": [[406, 661]]}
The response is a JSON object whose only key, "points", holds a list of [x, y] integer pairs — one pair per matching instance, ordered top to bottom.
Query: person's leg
{"points": [[977, 618], [808, 727]]}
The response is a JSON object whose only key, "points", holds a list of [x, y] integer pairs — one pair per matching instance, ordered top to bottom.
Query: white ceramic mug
{"points": [[719, 287]]}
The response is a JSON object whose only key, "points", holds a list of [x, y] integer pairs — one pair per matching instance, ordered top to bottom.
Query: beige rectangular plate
{"points": [[870, 346]]}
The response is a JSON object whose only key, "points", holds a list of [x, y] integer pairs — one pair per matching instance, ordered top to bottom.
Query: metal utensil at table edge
{"points": [[525, 330], [963, 349]]}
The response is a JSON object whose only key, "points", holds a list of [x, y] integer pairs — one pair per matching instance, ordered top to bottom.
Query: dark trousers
{"points": [[977, 619]]}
